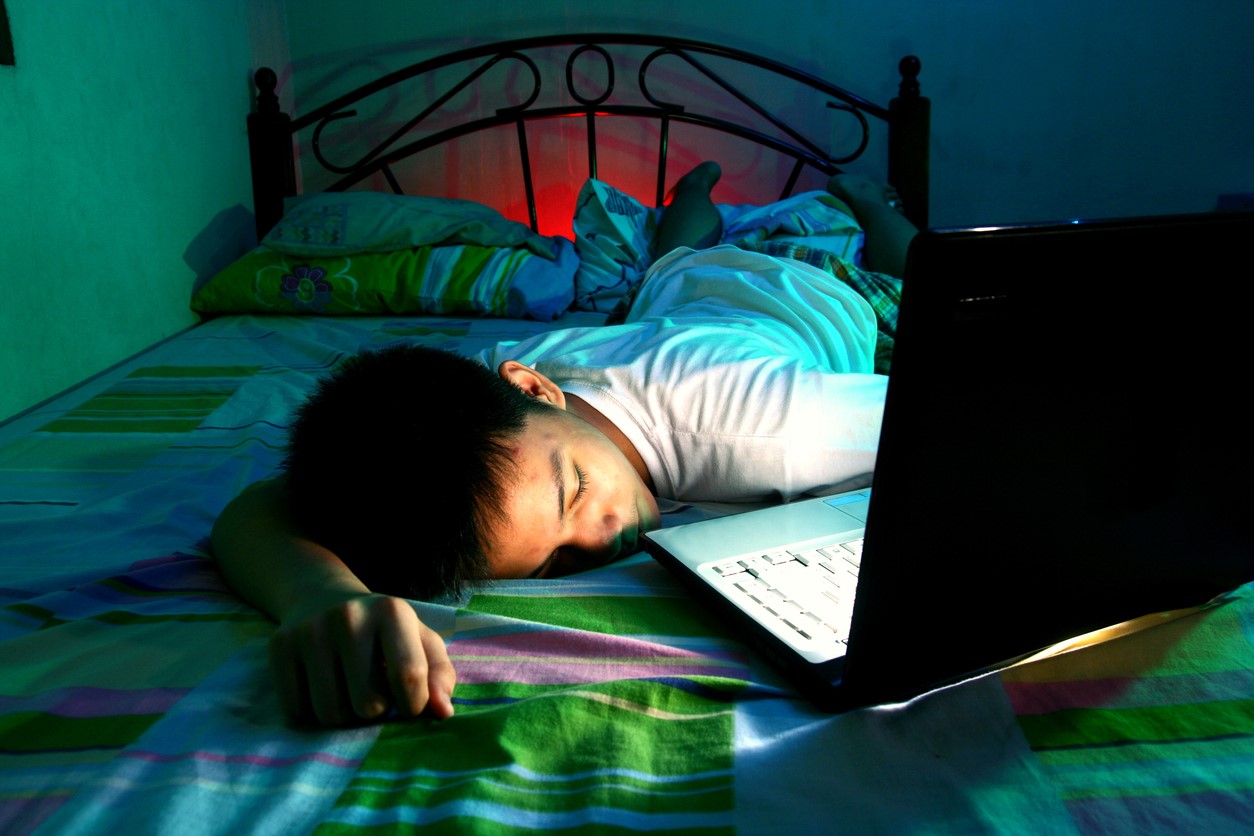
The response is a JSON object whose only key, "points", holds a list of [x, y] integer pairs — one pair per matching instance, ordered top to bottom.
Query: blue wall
{"points": [[1041, 111], [124, 168], [124, 174]]}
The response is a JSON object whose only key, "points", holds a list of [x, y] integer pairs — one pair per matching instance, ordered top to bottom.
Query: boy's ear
{"points": [[532, 383]]}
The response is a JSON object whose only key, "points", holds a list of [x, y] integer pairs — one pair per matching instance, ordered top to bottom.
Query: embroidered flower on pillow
{"points": [[307, 288]]}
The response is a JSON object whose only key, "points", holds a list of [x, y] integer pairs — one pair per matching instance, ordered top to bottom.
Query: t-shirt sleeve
{"points": [[759, 430]]}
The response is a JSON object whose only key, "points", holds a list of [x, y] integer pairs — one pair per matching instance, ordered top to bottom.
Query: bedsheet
{"points": [[134, 695]]}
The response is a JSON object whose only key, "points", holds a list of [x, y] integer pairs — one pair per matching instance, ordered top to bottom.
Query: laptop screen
{"points": [[1066, 441]]}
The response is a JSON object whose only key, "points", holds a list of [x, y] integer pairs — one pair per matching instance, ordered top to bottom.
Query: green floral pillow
{"points": [[344, 223], [460, 279]]}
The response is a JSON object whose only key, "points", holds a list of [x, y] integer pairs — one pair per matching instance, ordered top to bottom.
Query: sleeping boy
{"points": [[412, 472]]}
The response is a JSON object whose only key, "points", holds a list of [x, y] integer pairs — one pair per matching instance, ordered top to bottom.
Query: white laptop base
{"points": [[797, 580]]}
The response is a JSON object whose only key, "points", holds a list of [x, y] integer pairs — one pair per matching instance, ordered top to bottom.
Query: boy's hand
{"points": [[350, 658]]}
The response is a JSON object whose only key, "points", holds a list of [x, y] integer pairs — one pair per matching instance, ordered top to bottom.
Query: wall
{"points": [[1042, 111], [124, 169], [124, 172]]}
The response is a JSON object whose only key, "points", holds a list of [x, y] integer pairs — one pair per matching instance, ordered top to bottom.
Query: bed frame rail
{"points": [[272, 133]]}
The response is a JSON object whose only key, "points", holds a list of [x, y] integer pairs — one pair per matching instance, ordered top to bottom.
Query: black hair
{"points": [[398, 461]]}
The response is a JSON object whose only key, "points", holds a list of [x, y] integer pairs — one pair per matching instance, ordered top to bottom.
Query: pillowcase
{"points": [[341, 223], [614, 236], [614, 239], [370, 253], [454, 279]]}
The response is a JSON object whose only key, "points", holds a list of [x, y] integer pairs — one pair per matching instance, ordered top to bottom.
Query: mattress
{"points": [[135, 696]]}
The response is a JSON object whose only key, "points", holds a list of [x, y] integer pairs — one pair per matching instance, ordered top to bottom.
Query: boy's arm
{"points": [[341, 653]]}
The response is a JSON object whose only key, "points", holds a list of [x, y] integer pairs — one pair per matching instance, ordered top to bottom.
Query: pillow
{"points": [[818, 220], [340, 223], [614, 236], [614, 239], [456, 279]]}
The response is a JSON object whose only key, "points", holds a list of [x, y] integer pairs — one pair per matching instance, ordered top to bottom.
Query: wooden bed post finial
{"points": [[909, 68], [266, 80], [909, 132], [270, 150]]}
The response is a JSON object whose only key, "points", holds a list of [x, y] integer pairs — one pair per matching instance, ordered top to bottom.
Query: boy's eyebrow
{"points": [[559, 479]]}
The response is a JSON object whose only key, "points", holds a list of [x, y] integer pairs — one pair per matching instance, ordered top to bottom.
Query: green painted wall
{"points": [[123, 165], [123, 178]]}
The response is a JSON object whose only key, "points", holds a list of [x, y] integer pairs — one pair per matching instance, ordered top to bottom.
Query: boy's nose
{"points": [[604, 542]]}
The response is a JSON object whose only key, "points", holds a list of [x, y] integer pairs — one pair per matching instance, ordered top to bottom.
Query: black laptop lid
{"points": [[1066, 442]]}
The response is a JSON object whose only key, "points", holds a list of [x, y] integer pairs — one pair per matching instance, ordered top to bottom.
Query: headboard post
{"points": [[908, 142], [270, 152]]}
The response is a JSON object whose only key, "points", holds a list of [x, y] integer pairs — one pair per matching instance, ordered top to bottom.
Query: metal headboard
{"points": [[907, 116]]}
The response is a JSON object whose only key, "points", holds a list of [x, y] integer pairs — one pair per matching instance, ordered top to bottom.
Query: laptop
{"points": [[1066, 444]]}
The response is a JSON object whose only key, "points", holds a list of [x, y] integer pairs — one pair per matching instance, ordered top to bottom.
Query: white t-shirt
{"points": [[737, 376]]}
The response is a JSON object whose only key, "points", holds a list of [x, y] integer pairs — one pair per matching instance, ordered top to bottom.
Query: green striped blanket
{"points": [[134, 696]]}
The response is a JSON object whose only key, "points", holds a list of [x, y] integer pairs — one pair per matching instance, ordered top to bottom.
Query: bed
{"points": [[134, 695]]}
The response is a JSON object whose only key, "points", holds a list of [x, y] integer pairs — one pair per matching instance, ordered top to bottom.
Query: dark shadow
{"points": [[6, 38], [227, 237]]}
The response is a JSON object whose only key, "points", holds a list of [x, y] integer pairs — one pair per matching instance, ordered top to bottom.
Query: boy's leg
{"points": [[690, 220], [888, 233]]}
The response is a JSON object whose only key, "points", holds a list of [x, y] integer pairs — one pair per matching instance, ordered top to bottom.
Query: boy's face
{"points": [[577, 501]]}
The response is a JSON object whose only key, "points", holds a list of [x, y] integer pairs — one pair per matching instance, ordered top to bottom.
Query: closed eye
{"points": [[583, 483]]}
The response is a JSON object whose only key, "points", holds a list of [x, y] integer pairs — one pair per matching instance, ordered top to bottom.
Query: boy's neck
{"points": [[593, 416]]}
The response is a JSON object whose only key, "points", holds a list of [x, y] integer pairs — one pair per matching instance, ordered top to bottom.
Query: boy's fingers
{"points": [[358, 641], [401, 643], [350, 661], [307, 663], [418, 666], [441, 676], [289, 678], [328, 692]]}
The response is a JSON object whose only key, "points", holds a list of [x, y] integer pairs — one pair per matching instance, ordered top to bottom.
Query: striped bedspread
{"points": [[134, 696]]}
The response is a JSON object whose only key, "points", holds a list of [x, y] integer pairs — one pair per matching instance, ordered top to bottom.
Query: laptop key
{"points": [[854, 549], [777, 558], [808, 591]]}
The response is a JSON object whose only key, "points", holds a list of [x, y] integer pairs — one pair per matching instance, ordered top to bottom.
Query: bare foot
{"points": [[703, 176], [857, 189], [875, 205], [690, 219]]}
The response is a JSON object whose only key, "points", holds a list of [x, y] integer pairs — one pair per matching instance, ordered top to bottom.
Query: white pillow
{"points": [[343, 223]]}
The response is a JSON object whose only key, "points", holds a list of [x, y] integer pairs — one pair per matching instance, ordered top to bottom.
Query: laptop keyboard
{"points": [[809, 591]]}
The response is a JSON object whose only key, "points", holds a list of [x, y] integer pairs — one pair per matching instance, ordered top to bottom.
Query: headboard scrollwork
{"points": [[729, 98]]}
